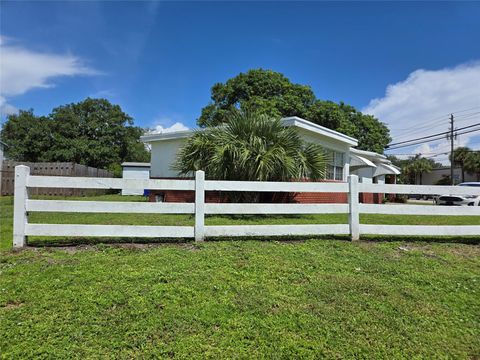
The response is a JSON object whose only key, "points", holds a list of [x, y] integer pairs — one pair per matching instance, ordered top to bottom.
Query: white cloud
{"points": [[22, 69], [420, 105], [5, 108], [178, 126]]}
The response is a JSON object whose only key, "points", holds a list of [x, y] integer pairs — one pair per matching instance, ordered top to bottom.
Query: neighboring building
{"points": [[345, 159], [135, 170], [432, 177]]}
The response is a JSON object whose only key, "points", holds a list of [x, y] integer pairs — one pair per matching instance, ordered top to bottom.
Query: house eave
{"points": [[321, 130], [166, 136], [370, 154]]}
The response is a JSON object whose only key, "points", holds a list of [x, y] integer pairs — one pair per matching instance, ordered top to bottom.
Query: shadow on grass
{"points": [[468, 240], [74, 241], [62, 242]]}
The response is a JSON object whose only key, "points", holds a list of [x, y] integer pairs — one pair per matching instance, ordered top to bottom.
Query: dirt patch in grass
{"points": [[468, 251], [12, 305]]}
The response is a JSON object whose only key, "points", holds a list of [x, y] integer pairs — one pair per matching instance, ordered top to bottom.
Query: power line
{"points": [[460, 111], [467, 116], [423, 128], [418, 130], [405, 131], [429, 136], [430, 140], [418, 143], [429, 154]]}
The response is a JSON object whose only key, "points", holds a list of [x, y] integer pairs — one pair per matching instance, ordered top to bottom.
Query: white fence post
{"points": [[20, 205], [199, 205], [353, 211]]}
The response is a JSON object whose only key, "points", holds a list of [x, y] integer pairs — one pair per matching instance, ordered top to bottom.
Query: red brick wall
{"points": [[188, 196], [320, 198], [366, 198]]}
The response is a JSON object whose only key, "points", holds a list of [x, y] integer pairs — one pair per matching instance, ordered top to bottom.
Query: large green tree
{"points": [[271, 93], [92, 132], [27, 136], [251, 146]]}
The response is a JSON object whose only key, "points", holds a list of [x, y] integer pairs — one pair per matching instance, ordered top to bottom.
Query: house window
{"points": [[335, 166]]}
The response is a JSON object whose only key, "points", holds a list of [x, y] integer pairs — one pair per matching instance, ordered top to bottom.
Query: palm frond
{"points": [[251, 146]]}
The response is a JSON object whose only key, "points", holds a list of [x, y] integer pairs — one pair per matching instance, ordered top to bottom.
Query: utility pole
{"points": [[452, 159]]}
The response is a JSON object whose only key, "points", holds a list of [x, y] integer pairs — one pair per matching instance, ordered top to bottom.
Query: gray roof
{"points": [[135, 164]]}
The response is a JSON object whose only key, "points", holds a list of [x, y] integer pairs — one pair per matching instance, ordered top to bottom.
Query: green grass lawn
{"points": [[6, 224], [314, 298]]}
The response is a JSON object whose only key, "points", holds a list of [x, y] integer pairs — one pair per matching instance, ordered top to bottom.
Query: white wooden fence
{"points": [[23, 205]]}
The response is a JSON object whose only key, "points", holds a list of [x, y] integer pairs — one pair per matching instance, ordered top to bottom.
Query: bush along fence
{"points": [[23, 205]]}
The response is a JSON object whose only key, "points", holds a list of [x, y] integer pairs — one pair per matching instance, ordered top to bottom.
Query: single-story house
{"points": [[345, 159], [135, 170], [437, 174]]}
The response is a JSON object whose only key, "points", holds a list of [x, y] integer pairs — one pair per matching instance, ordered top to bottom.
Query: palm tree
{"points": [[251, 146], [460, 156], [472, 164], [416, 167]]}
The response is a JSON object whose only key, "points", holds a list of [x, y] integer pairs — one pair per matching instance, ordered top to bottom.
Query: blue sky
{"points": [[158, 60]]}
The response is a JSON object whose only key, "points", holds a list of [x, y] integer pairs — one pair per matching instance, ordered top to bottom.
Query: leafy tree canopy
{"points": [[271, 93], [93, 132]]}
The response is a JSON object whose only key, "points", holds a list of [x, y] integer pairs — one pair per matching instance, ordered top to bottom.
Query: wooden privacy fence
{"points": [[7, 177], [23, 205]]}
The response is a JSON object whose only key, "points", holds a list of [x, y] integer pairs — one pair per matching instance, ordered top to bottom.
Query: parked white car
{"points": [[460, 200]]}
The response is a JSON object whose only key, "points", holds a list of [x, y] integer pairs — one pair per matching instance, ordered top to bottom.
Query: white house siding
{"points": [[329, 144], [164, 154], [364, 173]]}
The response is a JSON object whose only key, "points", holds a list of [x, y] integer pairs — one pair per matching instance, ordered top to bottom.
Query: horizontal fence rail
{"points": [[108, 183], [270, 186], [419, 189], [23, 205], [109, 207], [267, 209], [399, 209], [81, 230], [276, 230], [421, 230]]}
